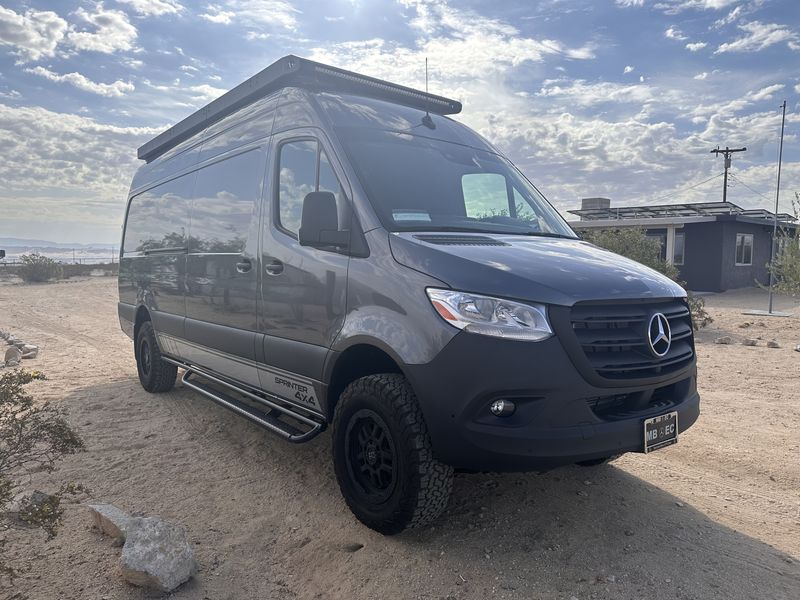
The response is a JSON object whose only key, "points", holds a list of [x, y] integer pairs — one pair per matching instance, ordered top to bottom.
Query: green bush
{"points": [[633, 243], [786, 267], [37, 268], [33, 436]]}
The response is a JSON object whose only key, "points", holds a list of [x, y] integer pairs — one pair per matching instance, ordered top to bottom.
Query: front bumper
{"points": [[560, 418]]}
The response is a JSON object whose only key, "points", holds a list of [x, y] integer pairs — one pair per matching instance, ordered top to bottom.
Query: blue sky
{"points": [[621, 98]]}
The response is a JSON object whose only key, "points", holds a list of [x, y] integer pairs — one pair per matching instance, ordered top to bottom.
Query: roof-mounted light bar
{"points": [[293, 71]]}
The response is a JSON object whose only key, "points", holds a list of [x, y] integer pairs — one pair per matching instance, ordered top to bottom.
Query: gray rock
{"points": [[725, 339], [749, 342], [773, 344], [30, 351], [12, 356], [110, 520], [156, 554]]}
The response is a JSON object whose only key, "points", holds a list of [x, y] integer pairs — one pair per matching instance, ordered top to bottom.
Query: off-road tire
{"points": [[155, 374], [596, 462], [422, 485]]}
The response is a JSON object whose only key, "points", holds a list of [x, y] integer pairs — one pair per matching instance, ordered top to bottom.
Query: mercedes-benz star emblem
{"points": [[659, 335]]}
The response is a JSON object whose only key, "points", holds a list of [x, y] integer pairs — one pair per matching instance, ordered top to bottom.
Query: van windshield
{"points": [[417, 183]]}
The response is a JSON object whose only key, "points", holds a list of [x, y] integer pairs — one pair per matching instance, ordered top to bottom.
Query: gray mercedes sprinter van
{"points": [[317, 247]]}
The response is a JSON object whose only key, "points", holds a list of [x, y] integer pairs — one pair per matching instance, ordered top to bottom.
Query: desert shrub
{"points": [[633, 243], [36, 268], [785, 269], [32, 438]]}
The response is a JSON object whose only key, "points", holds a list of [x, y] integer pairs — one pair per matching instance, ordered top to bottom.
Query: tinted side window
{"points": [[304, 167], [297, 177], [329, 183], [224, 204], [158, 219]]}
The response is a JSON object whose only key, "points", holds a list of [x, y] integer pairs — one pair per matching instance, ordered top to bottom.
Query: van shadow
{"points": [[243, 493], [605, 533]]}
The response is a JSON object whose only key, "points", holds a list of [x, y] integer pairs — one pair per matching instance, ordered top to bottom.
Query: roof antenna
{"points": [[426, 120]]}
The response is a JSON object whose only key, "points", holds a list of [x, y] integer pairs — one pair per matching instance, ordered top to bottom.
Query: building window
{"points": [[744, 249], [679, 250]]}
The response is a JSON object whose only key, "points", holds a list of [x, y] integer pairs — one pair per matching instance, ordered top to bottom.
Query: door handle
{"points": [[244, 266], [274, 267]]}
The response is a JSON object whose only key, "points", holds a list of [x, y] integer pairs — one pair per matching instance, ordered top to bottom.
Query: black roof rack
{"points": [[293, 71]]}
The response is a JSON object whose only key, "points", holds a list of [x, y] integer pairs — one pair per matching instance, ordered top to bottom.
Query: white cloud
{"points": [[629, 3], [674, 7], [154, 8], [272, 13], [217, 15], [729, 18], [110, 31], [673, 33], [34, 34], [759, 36], [696, 46], [628, 69], [701, 76], [797, 89], [109, 90], [205, 92], [583, 93], [766, 93], [11, 95], [73, 169]]}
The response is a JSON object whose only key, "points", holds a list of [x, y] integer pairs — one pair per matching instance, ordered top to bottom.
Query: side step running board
{"points": [[269, 419]]}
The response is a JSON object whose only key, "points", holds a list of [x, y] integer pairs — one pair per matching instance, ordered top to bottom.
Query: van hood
{"points": [[537, 269]]}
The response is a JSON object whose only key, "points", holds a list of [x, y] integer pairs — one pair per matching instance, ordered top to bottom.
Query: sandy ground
{"points": [[716, 516]]}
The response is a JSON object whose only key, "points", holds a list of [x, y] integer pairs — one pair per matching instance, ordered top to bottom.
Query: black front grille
{"points": [[614, 338]]}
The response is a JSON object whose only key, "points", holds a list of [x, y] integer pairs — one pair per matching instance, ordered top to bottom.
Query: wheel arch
{"points": [[142, 315], [358, 360]]}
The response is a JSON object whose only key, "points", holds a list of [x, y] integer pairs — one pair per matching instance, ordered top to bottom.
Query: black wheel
{"points": [[155, 374], [382, 456], [595, 462]]}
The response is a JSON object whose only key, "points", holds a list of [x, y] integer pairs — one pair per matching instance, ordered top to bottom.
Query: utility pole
{"points": [[727, 154], [775, 216]]}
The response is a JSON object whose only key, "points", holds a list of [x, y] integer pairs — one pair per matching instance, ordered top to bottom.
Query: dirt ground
{"points": [[716, 516]]}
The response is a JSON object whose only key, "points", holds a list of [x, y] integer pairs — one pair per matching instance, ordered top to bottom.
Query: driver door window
{"points": [[303, 168]]}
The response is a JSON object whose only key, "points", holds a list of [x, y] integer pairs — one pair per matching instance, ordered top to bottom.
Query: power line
{"points": [[739, 180], [686, 189]]}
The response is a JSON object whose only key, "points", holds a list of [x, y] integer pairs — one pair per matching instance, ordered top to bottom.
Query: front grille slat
{"points": [[614, 339]]}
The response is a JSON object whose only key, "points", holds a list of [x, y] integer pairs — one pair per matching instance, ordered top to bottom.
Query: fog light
{"points": [[502, 408]]}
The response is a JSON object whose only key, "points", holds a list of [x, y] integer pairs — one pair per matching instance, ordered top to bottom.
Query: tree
{"points": [[785, 269]]}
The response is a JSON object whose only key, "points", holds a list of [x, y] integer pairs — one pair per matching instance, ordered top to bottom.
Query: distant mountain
{"points": [[9, 242]]}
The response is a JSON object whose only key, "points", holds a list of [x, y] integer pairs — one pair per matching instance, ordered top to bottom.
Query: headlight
{"points": [[491, 316]]}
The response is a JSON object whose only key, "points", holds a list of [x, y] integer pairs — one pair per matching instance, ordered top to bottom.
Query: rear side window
{"points": [[303, 168], [224, 203], [158, 219]]}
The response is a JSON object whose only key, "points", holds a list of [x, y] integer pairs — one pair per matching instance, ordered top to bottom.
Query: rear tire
{"points": [[155, 374], [383, 459]]}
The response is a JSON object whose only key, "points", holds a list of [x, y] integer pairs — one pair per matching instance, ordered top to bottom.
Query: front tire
{"points": [[155, 374], [383, 459]]}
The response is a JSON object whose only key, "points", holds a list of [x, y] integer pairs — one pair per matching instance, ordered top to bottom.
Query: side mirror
{"points": [[319, 224]]}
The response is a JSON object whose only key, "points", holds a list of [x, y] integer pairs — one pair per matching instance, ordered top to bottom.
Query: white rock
{"points": [[30, 351], [110, 520], [156, 554]]}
